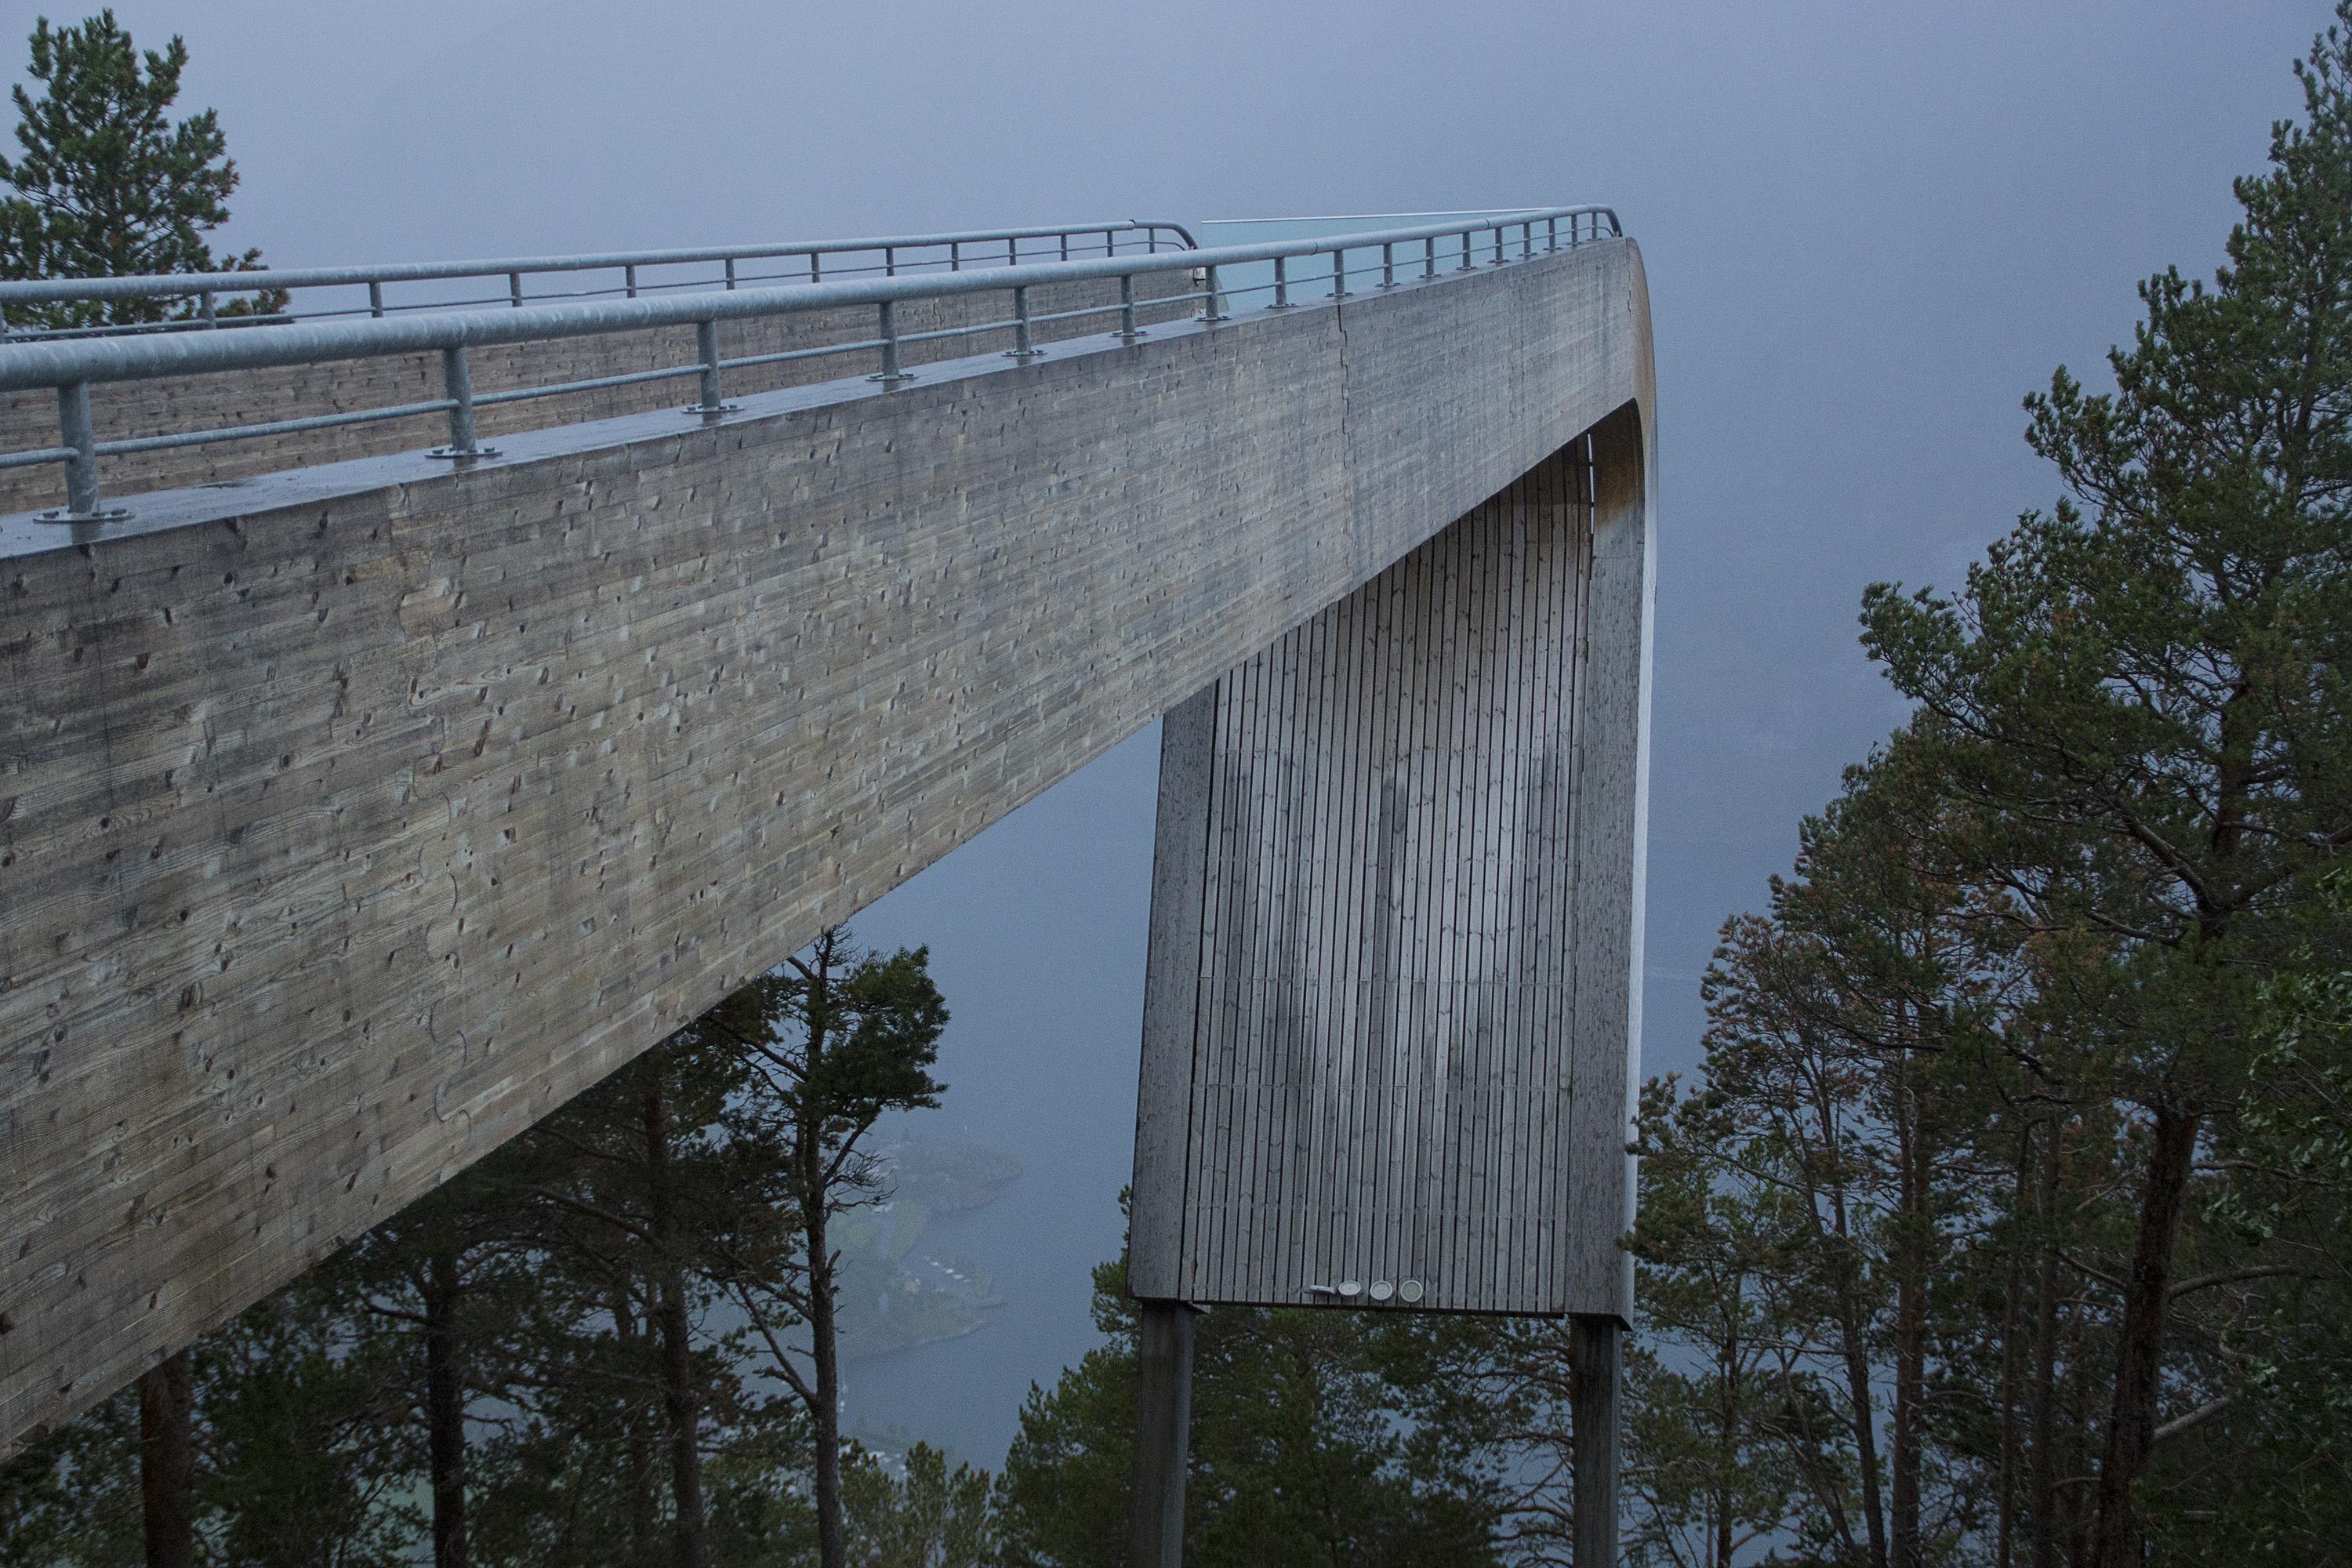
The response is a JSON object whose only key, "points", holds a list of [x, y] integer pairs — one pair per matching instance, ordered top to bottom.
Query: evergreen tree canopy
{"points": [[105, 184], [2139, 700], [1307, 1447]]}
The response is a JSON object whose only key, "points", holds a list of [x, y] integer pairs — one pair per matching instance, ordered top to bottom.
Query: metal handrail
{"points": [[207, 287], [71, 367]]}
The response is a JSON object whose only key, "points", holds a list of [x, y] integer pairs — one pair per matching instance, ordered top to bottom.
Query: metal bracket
{"points": [[696, 411], [454, 456], [66, 514], [1409, 1291]]}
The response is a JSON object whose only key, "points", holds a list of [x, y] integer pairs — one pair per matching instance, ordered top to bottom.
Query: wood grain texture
{"points": [[122, 410], [1612, 764], [344, 837], [1396, 926], [1172, 986]]}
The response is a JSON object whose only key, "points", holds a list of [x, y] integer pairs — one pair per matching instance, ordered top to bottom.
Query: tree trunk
{"points": [[1844, 1270], [1910, 1325], [824, 1341], [825, 1344], [2139, 1357], [679, 1405], [445, 1411], [1727, 1418], [1864, 1420], [1865, 1428], [640, 1449], [167, 1462], [2041, 1486], [2073, 1505], [2005, 1528]]}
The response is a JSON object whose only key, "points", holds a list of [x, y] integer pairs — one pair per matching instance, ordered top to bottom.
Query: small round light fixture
{"points": [[1350, 1289], [1382, 1290], [1409, 1291]]}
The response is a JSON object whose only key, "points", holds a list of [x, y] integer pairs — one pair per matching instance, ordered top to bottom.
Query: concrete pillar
{"points": [[1163, 1426]]}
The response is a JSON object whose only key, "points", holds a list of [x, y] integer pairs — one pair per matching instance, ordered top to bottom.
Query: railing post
{"points": [[1551, 233], [1527, 241], [1111, 242], [1066, 245], [1499, 245], [1011, 253], [955, 256], [1429, 257], [889, 261], [1466, 263], [1388, 265], [816, 267], [730, 273], [1340, 273], [1281, 283], [514, 288], [375, 298], [205, 307], [1209, 311], [1128, 331], [1024, 347], [706, 348], [891, 374], [458, 381], [75, 424], [78, 431]]}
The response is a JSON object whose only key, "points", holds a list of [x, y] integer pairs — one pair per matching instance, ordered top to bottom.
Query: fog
{"points": [[1869, 230]]}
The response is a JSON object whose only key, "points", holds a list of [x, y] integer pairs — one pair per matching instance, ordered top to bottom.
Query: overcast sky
{"points": [[1870, 229]]}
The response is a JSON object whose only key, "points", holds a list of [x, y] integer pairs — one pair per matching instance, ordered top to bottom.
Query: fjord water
{"points": [[1036, 932]]}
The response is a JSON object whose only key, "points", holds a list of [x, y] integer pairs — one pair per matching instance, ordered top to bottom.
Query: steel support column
{"points": [[1596, 1355], [1163, 1425]]}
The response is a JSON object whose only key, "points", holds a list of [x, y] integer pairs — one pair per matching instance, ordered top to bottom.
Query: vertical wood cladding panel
{"points": [[1364, 925]]}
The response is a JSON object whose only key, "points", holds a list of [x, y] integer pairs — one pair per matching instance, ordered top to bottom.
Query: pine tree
{"points": [[105, 184], [2142, 697], [832, 1040], [635, 1182], [1307, 1447], [1714, 1480], [931, 1517]]}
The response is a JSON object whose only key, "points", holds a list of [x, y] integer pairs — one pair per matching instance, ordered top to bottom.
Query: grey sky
{"points": [[1870, 229]]}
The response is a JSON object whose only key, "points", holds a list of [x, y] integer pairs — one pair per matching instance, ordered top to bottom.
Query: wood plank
{"points": [[1417, 859]]}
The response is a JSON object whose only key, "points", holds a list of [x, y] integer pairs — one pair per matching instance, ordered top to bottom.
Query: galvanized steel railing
{"points": [[816, 260], [71, 367]]}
